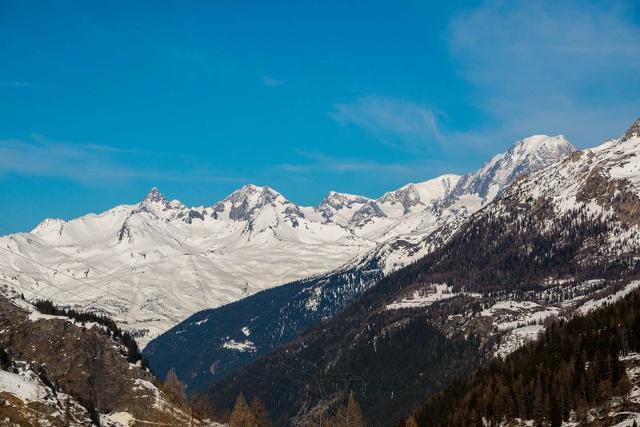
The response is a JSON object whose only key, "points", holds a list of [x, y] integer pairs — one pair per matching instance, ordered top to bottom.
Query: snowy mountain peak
{"points": [[633, 131], [541, 145], [525, 156], [252, 193], [154, 196], [407, 196], [416, 197], [341, 200], [155, 203], [242, 203], [340, 207], [48, 225]]}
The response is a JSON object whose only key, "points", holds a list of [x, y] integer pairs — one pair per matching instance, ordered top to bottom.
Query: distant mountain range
{"points": [[556, 243], [152, 264], [386, 301]]}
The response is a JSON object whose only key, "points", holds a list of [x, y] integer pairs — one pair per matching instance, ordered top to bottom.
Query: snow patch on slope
{"points": [[424, 298], [241, 346]]}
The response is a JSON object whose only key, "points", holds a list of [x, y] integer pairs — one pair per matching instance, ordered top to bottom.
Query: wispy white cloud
{"points": [[549, 67], [271, 81], [396, 122], [40, 157], [315, 162], [93, 164]]}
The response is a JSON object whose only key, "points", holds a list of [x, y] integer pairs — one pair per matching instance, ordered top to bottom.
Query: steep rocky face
{"points": [[632, 132], [154, 196], [408, 197], [243, 203], [339, 207], [368, 212], [82, 363], [27, 400]]}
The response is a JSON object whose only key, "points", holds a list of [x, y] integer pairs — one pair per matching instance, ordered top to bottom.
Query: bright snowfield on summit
{"points": [[320, 214]]}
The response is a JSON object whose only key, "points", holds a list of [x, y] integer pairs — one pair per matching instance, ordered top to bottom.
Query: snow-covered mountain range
{"points": [[556, 243], [152, 264]]}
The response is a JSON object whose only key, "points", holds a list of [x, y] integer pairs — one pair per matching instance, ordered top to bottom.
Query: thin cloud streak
{"points": [[533, 68], [396, 122], [42, 158], [322, 163], [90, 164]]}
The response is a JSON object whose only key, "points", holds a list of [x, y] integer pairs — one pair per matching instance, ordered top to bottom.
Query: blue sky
{"points": [[99, 101]]}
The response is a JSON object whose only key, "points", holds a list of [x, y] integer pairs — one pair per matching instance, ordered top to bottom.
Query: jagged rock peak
{"points": [[633, 131], [406, 192], [421, 193], [154, 196], [408, 196], [338, 200], [156, 203], [340, 203]]}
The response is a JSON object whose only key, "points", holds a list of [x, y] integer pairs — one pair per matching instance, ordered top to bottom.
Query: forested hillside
{"points": [[572, 372]]}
